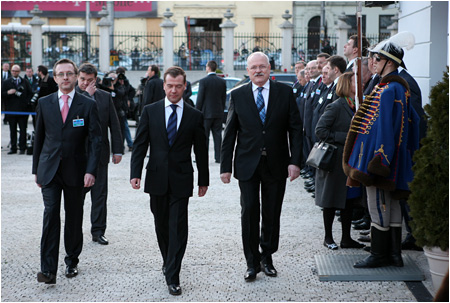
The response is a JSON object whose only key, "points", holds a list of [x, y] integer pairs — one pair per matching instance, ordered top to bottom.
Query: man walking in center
{"points": [[212, 93], [262, 116], [108, 119], [171, 128], [65, 159]]}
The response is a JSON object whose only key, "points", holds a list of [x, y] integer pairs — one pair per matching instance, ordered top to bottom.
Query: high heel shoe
{"points": [[331, 246]]}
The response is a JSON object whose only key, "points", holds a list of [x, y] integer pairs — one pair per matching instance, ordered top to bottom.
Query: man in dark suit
{"points": [[351, 50], [6, 73], [87, 75], [33, 79], [154, 90], [16, 93], [212, 93], [262, 115], [171, 128], [65, 159]]}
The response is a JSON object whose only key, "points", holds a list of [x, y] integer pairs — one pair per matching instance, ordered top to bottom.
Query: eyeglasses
{"points": [[378, 58], [69, 74]]}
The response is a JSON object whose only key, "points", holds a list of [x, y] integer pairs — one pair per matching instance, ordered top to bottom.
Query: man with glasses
{"points": [[16, 93], [262, 116], [65, 159]]}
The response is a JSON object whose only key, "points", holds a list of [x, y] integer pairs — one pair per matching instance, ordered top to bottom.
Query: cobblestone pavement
{"points": [[129, 268]]}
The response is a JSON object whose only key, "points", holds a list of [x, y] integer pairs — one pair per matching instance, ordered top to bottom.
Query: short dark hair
{"points": [[365, 44], [323, 55], [63, 61], [339, 62], [212, 65], [88, 68], [155, 68], [43, 69], [120, 70], [175, 71], [344, 85]]}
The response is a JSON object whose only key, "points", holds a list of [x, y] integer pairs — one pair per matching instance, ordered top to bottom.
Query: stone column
{"points": [[167, 26], [342, 28], [287, 31], [36, 38], [228, 44], [103, 56]]}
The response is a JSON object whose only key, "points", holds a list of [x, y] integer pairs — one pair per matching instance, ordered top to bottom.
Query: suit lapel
{"points": [[273, 96], [251, 99], [76, 103], [185, 119]]}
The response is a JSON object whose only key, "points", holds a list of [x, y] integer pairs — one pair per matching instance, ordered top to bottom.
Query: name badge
{"points": [[295, 90], [318, 91], [113, 94], [301, 94], [312, 94], [329, 96], [320, 100], [78, 122]]}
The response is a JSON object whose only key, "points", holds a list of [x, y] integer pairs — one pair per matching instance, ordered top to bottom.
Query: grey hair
{"points": [[258, 54]]}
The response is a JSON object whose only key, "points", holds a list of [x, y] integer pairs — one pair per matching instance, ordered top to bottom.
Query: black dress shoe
{"points": [[12, 152], [22, 152], [309, 183], [311, 189], [313, 194], [355, 222], [364, 225], [364, 232], [364, 239], [100, 240], [352, 244], [408, 245], [163, 269], [269, 270], [71, 271], [250, 274], [46, 277], [174, 290]]}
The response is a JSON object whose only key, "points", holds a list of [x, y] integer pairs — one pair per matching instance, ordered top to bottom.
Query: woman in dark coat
{"points": [[331, 190]]}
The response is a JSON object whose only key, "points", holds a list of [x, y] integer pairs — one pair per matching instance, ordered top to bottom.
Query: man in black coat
{"points": [[87, 76], [154, 88], [16, 93], [212, 93], [262, 116], [171, 128], [65, 159]]}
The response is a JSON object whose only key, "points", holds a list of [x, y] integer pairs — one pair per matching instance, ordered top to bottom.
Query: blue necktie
{"points": [[260, 105], [172, 124]]}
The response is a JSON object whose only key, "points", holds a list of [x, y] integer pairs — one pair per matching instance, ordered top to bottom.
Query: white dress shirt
{"points": [[264, 92], [60, 100], [169, 110]]}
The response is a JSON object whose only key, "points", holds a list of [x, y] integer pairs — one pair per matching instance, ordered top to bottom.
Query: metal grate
{"points": [[340, 268]]}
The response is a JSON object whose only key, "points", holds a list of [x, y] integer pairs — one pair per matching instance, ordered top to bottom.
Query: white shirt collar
{"points": [[211, 73], [266, 86], [71, 94], [167, 103]]}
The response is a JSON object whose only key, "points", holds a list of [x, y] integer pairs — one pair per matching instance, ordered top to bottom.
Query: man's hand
{"points": [[91, 88], [11, 91], [116, 159], [294, 172], [225, 177], [35, 180], [89, 180], [135, 183], [202, 190]]}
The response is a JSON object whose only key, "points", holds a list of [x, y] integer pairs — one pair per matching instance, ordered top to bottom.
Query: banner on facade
{"points": [[122, 9]]}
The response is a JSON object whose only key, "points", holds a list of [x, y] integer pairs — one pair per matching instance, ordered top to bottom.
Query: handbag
{"points": [[322, 156]]}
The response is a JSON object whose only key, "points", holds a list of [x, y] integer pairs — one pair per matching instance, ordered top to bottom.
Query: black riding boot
{"points": [[378, 251], [395, 255]]}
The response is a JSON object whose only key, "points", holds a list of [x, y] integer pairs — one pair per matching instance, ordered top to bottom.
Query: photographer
{"points": [[111, 84], [16, 93]]}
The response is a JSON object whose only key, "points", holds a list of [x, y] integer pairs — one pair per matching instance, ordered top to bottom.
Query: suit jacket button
{"points": [[264, 132]]}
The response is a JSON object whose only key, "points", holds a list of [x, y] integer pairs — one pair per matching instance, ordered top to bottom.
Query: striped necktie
{"points": [[260, 105], [172, 124]]}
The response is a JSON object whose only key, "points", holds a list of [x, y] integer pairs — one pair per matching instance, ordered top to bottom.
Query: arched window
{"points": [[314, 36]]}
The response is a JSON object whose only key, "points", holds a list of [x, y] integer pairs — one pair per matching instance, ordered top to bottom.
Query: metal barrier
{"points": [[307, 48]]}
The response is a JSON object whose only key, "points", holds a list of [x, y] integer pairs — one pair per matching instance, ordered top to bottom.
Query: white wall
{"points": [[428, 21]]}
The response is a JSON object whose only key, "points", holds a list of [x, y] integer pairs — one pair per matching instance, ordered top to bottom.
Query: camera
{"points": [[107, 81], [19, 91], [34, 98]]}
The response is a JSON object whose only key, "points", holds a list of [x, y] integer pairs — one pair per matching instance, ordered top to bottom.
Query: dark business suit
{"points": [[153, 91], [212, 93], [327, 96], [16, 103], [62, 155], [254, 169], [170, 177], [99, 192]]}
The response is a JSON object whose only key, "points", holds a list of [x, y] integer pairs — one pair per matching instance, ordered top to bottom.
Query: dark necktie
{"points": [[260, 105], [172, 124]]}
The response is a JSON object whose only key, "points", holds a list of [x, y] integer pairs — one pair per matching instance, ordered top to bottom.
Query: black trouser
{"points": [[22, 121], [214, 125], [272, 193], [99, 196], [171, 225], [73, 229]]}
